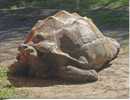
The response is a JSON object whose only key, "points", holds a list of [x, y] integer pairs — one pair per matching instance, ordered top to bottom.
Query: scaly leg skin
{"points": [[51, 48], [61, 56], [73, 74]]}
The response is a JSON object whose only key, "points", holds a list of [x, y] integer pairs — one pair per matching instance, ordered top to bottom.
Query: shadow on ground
{"points": [[19, 81], [28, 81]]}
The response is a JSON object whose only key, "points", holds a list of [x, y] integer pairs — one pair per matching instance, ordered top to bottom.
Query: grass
{"points": [[109, 18], [6, 89]]}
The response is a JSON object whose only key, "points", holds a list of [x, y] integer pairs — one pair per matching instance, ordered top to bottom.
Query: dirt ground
{"points": [[112, 82]]}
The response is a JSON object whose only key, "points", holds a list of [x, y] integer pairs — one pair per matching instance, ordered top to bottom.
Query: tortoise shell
{"points": [[76, 36]]}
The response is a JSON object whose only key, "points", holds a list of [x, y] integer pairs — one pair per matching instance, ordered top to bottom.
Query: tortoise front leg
{"points": [[50, 47], [74, 74]]}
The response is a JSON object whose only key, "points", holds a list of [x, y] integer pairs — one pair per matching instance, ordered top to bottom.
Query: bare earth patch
{"points": [[112, 82]]}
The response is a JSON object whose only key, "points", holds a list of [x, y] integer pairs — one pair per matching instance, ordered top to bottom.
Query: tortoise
{"points": [[71, 47]]}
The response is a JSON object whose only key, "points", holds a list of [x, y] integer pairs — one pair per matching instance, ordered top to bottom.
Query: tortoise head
{"points": [[25, 48]]}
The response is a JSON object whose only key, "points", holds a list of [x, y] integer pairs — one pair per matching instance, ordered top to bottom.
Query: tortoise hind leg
{"points": [[73, 74]]}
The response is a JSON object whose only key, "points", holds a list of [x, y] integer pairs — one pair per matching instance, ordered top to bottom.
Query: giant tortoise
{"points": [[69, 47]]}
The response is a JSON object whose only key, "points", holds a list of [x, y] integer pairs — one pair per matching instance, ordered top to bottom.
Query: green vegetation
{"points": [[66, 4], [105, 13], [110, 18], [6, 89]]}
